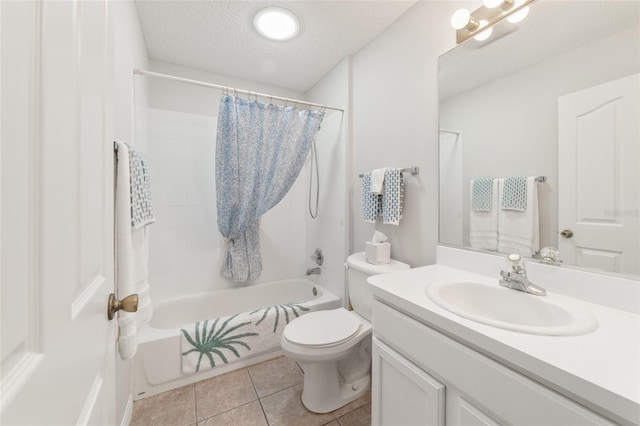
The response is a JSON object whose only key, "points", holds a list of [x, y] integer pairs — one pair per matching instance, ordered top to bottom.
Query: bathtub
{"points": [[157, 365]]}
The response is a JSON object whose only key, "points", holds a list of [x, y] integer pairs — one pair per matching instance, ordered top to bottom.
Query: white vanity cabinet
{"points": [[423, 377]]}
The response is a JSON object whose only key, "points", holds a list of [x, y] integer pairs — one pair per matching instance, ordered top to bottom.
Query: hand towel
{"points": [[377, 181], [482, 194], [514, 194], [393, 198], [371, 203], [483, 225], [519, 231], [132, 271]]}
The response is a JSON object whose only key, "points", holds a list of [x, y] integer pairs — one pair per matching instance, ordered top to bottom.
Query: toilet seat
{"points": [[323, 328]]}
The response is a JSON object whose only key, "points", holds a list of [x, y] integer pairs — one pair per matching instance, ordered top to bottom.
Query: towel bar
{"points": [[413, 170]]}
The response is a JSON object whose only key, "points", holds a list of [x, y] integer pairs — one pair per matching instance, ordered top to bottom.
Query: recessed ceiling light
{"points": [[276, 23]]}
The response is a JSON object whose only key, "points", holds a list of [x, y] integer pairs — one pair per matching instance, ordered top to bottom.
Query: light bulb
{"points": [[492, 3], [519, 15], [460, 19], [276, 23], [484, 34]]}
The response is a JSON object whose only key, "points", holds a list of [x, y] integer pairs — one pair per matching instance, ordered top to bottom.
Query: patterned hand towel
{"points": [[514, 193], [481, 194], [393, 199], [371, 203], [141, 207], [483, 224], [519, 230], [211, 343]]}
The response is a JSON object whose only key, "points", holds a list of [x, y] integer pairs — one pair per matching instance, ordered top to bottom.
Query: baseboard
{"points": [[128, 412]]}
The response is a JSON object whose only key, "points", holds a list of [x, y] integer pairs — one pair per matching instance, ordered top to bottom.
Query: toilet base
{"points": [[324, 391]]}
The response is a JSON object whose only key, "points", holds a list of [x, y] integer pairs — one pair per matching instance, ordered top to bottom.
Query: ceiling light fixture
{"points": [[276, 23], [479, 23]]}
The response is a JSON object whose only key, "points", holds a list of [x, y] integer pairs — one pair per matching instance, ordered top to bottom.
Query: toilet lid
{"points": [[322, 328]]}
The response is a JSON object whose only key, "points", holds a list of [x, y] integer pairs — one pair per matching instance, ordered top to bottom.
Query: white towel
{"points": [[377, 181], [483, 225], [519, 231], [132, 271]]}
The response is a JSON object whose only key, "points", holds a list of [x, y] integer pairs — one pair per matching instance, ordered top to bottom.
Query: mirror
{"points": [[521, 104]]}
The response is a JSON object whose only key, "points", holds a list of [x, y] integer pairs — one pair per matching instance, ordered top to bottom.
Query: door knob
{"points": [[567, 233], [128, 304]]}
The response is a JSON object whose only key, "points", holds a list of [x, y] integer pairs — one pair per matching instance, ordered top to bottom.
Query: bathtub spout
{"points": [[313, 271]]}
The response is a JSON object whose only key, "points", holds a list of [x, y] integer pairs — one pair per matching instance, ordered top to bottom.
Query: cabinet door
{"points": [[403, 394], [462, 412]]}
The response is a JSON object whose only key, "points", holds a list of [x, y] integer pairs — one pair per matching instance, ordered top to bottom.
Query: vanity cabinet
{"points": [[414, 364]]}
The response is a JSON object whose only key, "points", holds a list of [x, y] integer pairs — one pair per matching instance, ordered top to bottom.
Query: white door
{"points": [[599, 188], [56, 214]]}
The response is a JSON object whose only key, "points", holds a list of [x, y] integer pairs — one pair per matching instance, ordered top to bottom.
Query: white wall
{"points": [[128, 51], [395, 124], [178, 135], [526, 142], [329, 231]]}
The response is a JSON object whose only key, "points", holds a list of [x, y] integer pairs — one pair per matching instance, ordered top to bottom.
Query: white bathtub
{"points": [[157, 365]]}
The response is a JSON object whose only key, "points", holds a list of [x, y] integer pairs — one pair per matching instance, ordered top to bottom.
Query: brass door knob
{"points": [[567, 233], [128, 304]]}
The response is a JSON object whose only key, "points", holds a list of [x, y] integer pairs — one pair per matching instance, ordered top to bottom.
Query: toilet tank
{"points": [[360, 291]]}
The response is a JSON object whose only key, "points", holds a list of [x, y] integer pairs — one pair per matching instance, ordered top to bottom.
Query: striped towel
{"points": [[514, 193], [393, 200], [371, 203], [141, 207]]}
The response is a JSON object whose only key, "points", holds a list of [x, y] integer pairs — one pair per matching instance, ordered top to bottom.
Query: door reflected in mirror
{"points": [[554, 96]]}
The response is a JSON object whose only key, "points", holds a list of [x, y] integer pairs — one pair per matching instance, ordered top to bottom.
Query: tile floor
{"points": [[265, 394]]}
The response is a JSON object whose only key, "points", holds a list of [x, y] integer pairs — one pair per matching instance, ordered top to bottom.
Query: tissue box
{"points": [[377, 253]]}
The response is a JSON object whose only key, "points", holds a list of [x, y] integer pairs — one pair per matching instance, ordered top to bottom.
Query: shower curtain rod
{"points": [[231, 89]]}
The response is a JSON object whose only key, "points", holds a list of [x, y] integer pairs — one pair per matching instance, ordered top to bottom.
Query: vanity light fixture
{"points": [[276, 23], [479, 23], [484, 34]]}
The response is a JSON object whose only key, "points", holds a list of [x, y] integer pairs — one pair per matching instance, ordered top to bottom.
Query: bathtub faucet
{"points": [[313, 271]]}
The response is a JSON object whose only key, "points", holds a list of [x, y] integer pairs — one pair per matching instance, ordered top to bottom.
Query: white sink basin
{"points": [[511, 309]]}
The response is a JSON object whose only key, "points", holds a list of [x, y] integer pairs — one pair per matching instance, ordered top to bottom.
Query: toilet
{"points": [[334, 346]]}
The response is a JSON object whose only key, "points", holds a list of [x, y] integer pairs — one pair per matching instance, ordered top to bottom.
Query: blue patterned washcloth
{"points": [[481, 193], [514, 193], [393, 200], [371, 203], [141, 208]]}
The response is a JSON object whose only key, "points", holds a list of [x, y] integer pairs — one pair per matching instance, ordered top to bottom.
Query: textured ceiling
{"points": [[552, 27], [218, 36]]}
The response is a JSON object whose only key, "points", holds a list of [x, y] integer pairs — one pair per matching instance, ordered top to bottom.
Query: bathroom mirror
{"points": [[500, 116]]}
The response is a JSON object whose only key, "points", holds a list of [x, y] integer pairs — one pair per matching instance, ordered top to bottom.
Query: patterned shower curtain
{"points": [[260, 150]]}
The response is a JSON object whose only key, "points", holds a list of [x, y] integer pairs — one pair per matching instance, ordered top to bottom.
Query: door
{"points": [[599, 159], [56, 214], [402, 393]]}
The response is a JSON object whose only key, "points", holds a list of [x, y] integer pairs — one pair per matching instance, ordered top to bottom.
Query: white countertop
{"points": [[600, 369]]}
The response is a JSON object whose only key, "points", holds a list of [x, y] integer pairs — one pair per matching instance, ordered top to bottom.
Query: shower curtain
{"points": [[260, 150]]}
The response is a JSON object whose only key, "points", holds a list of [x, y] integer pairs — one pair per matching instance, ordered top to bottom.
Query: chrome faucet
{"points": [[313, 271], [517, 278]]}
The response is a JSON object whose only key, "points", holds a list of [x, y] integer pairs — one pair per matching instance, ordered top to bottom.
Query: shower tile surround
{"points": [[263, 394]]}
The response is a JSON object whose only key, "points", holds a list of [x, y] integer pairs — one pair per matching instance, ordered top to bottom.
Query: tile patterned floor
{"points": [[266, 394]]}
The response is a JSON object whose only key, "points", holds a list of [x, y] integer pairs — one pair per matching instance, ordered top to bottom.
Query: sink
{"points": [[511, 309]]}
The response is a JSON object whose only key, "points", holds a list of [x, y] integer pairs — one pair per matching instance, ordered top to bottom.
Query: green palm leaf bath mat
{"points": [[219, 341]]}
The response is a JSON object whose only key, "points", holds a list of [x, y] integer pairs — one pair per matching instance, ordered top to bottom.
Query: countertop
{"points": [[600, 369]]}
